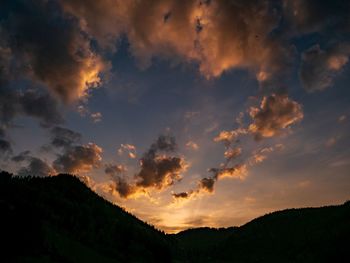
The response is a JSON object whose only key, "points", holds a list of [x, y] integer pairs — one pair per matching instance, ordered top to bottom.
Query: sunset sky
{"points": [[186, 113]]}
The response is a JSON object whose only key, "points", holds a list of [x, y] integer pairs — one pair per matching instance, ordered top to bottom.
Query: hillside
{"points": [[59, 219], [292, 235]]}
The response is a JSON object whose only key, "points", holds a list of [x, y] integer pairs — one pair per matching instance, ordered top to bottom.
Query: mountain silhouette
{"points": [[59, 219]]}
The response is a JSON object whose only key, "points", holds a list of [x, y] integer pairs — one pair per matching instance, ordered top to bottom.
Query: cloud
{"points": [[329, 17], [103, 19], [330, 20], [216, 35], [50, 37], [51, 48], [320, 67], [33, 103], [41, 106], [276, 113], [229, 136], [63, 137], [5, 147], [129, 149], [232, 153], [71, 155], [260, 155], [21, 156], [78, 158], [35, 166], [159, 168], [112, 169], [228, 170], [160, 171], [238, 171], [120, 183], [207, 184], [124, 189], [183, 195]]}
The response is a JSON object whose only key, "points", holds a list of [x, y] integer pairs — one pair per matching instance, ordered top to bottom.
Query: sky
{"points": [[185, 113]]}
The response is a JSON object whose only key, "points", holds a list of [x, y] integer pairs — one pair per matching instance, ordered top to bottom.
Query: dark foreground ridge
{"points": [[59, 219]]}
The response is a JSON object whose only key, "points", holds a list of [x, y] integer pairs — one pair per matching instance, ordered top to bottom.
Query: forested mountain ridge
{"points": [[59, 219]]}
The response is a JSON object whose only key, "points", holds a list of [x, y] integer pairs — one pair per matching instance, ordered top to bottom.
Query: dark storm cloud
{"points": [[328, 17], [330, 20], [42, 47], [50, 47], [319, 67], [29, 103], [33, 103], [8, 105], [40, 106], [63, 137], [5, 147], [71, 155], [21, 157], [78, 158], [36, 167], [158, 168], [114, 170], [160, 171], [120, 184], [207, 184], [124, 188], [182, 195]]}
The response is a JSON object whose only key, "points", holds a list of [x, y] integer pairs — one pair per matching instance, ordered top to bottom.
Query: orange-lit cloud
{"points": [[103, 19], [215, 34], [276, 113], [229, 136], [129, 149], [232, 153], [78, 159], [159, 169], [238, 171]]}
